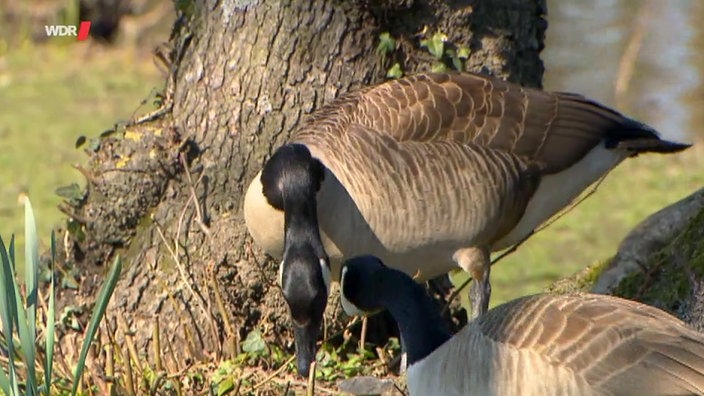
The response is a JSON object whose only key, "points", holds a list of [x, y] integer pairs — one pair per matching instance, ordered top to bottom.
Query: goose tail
{"points": [[638, 138]]}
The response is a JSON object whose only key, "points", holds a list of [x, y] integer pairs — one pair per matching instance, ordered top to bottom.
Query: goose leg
{"points": [[476, 262], [480, 293]]}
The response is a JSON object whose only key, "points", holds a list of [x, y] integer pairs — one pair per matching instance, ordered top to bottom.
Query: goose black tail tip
{"points": [[636, 137], [649, 145]]}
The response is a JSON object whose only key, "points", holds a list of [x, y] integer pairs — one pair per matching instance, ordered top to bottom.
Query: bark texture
{"points": [[166, 194]]}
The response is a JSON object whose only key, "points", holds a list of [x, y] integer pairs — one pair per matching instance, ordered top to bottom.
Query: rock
{"points": [[366, 385]]}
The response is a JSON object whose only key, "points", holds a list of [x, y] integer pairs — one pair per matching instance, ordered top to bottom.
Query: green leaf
{"points": [[386, 45], [435, 45], [463, 52], [456, 61], [438, 67], [395, 71], [108, 132], [80, 141], [71, 192], [75, 229], [11, 251], [7, 297], [17, 307], [17, 314], [69, 316], [96, 317], [9, 318], [51, 321], [28, 329], [254, 343], [4, 382], [225, 386]]}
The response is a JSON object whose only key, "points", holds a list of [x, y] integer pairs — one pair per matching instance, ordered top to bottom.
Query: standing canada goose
{"points": [[429, 173], [580, 344]]}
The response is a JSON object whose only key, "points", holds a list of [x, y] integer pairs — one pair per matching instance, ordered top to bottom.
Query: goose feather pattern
{"points": [[420, 167], [430, 173], [579, 344], [540, 345]]}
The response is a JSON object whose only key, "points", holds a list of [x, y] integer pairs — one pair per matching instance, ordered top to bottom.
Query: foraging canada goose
{"points": [[429, 173], [546, 344]]}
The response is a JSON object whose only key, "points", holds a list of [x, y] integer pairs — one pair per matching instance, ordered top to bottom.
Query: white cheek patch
{"points": [[323, 267], [281, 274], [326, 274], [350, 309]]}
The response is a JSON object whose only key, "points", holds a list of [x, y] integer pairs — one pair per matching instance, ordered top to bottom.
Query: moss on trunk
{"points": [[670, 278]]}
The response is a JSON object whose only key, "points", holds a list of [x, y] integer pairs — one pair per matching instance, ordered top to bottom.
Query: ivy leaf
{"points": [[386, 44], [435, 45], [463, 52], [456, 61], [438, 67], [395, 71], [80, 141], [72, 193], [75, 229], [254, 343], [225, 386]]}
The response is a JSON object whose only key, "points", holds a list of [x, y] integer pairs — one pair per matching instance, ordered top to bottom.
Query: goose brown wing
{"points": [[553, 129], [413, 192], [617, 346]]}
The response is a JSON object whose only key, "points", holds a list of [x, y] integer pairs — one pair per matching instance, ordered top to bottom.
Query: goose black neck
{"points": [[291, 179], [301, 222], [422, 328]]}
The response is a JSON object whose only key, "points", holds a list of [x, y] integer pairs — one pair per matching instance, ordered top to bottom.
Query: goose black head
{"points": [[291, 180], [360, 283], [368, 285]]}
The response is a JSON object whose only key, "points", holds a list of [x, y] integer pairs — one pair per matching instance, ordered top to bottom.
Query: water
{"points": [[588, 39]]}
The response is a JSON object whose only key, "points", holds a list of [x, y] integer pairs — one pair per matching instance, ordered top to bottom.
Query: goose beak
{"points": [[305, 338]]}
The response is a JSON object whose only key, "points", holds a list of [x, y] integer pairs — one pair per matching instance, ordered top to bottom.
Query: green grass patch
{"points": [[49, 96], [592, 231]]}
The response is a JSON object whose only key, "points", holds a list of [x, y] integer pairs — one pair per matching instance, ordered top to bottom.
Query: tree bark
{"points": [[166, 194]]}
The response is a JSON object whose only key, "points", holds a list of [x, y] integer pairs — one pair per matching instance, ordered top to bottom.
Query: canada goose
{"points": [[429, 173], [545, 344]]}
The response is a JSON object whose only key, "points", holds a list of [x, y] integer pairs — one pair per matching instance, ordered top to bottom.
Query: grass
{"points": [[51, 95], [592, 231]]}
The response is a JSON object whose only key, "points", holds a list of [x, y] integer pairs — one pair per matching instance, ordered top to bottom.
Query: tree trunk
{"points": [[166, 194]]}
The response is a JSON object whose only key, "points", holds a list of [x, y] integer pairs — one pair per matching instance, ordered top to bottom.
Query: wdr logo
{"points": [[68, 30]]}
